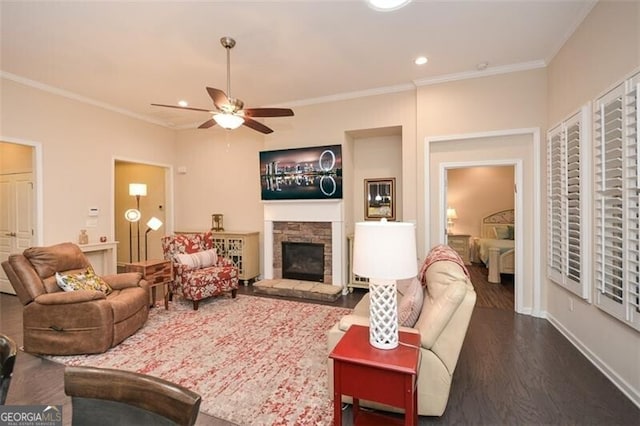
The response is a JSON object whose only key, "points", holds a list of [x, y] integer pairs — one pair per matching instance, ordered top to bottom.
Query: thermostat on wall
{"points": [[93, 211]]}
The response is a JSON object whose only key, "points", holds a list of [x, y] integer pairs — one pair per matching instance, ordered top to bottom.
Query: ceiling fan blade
{"points": [[218, 97], [179, 107], [268, 112], [207, 124], [255, 125]]}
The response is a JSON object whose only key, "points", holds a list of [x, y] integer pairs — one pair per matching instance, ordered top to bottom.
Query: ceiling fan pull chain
{"points": [[228, 48]]}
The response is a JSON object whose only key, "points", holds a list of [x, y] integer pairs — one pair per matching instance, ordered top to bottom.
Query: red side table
{"points": [[385, 376]]}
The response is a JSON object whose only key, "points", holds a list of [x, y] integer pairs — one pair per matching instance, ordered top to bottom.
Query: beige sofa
{"points": [[449, 299], [57, 322]]}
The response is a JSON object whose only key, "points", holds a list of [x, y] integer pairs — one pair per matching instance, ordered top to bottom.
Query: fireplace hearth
{"points": [[303, 261]]}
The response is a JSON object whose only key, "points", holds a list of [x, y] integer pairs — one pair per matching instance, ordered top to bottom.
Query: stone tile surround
{"points": [[302, 232]]}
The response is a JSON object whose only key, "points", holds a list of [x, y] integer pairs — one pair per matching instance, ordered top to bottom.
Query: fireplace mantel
{"points": [[307, 211]]}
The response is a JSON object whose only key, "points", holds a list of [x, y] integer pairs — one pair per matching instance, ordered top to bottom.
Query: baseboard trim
{"points": [[619, 382]]}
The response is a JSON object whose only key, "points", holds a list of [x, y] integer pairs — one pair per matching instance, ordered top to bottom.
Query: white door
{"points": [[16, 219]]}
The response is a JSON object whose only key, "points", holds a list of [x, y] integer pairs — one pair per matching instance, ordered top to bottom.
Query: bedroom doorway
{"points": [[519, 148], [480, 200]]}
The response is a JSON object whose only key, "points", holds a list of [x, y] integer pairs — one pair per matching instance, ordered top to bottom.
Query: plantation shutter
{"points": [[567, 189], [555, 209], [617, 219]]}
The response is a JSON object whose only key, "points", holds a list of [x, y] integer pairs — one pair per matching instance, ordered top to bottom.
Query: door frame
{"points": [[534, 133], [168, 196], [38, 203]]}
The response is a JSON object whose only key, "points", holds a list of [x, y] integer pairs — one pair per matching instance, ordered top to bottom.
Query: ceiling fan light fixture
{"points": [[228, 121]]}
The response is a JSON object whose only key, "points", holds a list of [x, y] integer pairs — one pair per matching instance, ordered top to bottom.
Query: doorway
{"points": [[517, 147], [475, 194], [17, 203], [137, 240]]}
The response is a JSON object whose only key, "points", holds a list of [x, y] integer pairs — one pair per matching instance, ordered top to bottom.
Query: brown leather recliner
{"points": [[57, 322]]}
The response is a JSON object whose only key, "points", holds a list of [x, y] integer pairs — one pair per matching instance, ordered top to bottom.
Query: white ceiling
{"points": [[126, 55]]}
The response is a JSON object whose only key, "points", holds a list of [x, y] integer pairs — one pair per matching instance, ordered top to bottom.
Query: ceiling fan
{"points": [[229, 112]]}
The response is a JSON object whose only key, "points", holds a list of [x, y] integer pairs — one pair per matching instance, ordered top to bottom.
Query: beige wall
{"points": [[603, 50], [508, 101], [79, 143], [376, 157], [15, 158], [476, 192]]}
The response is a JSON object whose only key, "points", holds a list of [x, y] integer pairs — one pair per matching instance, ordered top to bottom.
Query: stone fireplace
{"points": [[317, 222], [305, 234]]}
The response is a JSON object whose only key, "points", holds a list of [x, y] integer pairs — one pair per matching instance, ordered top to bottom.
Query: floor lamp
{"points": [[138, 190], [132, 215], [153, 225], [384, 252]]}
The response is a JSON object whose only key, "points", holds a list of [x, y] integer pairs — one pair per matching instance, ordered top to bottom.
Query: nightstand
{"points": [[460, 243], [156, 273]]}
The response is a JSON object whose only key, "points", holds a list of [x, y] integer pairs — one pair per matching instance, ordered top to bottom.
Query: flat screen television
{"points": [[313, 173]]}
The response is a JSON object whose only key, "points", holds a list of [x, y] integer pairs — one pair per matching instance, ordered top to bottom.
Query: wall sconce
{"points": [[137, 190], [132, 215], [451, 216], [152, 225], [384, 252]]}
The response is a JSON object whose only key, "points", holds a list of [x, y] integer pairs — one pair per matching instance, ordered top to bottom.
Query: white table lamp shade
{"points": [[384, 252]]}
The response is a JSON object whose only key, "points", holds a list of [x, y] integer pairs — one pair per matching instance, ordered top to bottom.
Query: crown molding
{"points": [[466, 75], [349, 95], [74, 96]]}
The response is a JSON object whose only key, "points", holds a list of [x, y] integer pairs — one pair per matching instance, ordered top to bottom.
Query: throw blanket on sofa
{"points": [[438, 253]]}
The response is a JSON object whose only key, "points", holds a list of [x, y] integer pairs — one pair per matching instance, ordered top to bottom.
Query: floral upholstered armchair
{"points": [[198, 272]]}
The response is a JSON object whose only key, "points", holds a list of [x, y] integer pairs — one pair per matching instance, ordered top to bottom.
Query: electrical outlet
{"points": [[571, 304]]}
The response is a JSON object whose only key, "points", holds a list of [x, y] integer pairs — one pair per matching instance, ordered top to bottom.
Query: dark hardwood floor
{"points": [[492, 295], [513, 370]]}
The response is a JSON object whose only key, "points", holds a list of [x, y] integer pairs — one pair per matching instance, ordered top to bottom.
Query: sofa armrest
{"points": [[125, 280], [69, 297]]}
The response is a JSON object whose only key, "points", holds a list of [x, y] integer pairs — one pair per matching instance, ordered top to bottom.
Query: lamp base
{"points": [[383, 314]]}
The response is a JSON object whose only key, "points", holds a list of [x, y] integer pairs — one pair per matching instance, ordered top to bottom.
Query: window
{"points": [[568, 189], [617, 236]]}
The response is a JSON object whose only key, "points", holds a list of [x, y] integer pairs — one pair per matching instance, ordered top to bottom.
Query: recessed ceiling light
{"points": [[387, 5], [421, 60], [183, 103]]}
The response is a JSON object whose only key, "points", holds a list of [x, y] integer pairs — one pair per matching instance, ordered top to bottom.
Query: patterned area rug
{"points": [[254, 361]]}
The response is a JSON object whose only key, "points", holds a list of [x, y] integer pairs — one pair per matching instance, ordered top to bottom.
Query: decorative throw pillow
{"points": [[502, 233], [201, 259], [87, 280], [410, 304]]}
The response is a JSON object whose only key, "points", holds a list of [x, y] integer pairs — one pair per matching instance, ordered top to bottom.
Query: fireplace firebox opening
{"points": [[303, 261]]}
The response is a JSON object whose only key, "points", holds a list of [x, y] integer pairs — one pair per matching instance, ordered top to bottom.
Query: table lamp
{"points": [[451, 216], [384, 252]]}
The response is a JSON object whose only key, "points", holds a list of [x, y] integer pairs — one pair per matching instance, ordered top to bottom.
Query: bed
{"points": [[496, 245]]}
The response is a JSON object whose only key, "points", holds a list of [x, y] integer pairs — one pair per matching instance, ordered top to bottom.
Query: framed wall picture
{"points": [[312, 173], [380, 199]]}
